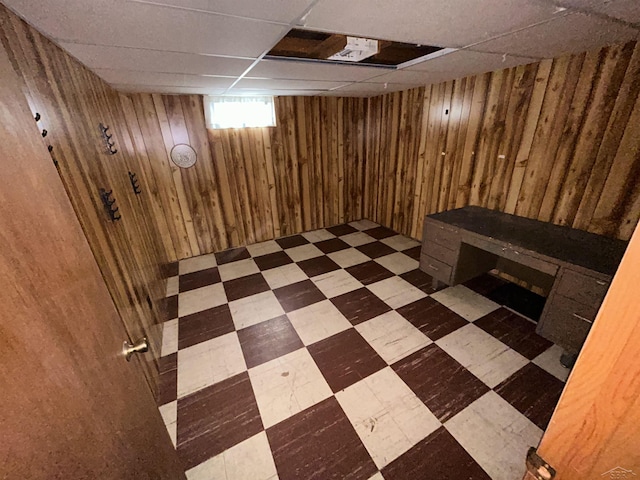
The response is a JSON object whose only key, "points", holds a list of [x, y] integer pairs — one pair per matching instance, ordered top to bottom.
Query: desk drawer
{"points": [[446, 236], [437, 251], [513, 253], [437, 269], [582, 288], [566, 322]]}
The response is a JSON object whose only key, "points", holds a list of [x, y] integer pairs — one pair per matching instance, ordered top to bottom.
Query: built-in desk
{"points": [[574, 266]]}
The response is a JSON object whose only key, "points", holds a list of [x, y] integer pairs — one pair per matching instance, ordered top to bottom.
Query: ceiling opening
{"points": [[346, 49]]}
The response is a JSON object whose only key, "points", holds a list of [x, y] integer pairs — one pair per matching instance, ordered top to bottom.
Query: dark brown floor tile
{"points": [[340, 230], [380, 232], [292, 241], [332, 245], [376, 249], [413, 252], [232, 255], [272, 260], [318, 266], [172, 269], [369, 272], [201, 278], [421, 280], [484, 284], [245, 286], [298, 295], [360, 305], [170, 307], [432, 318], [204, 325], [514, 331], [268, 340], [345, 358], [167, 378], [445, 386], [533, 392], [216, 418], [319, 443], [439, 456]]}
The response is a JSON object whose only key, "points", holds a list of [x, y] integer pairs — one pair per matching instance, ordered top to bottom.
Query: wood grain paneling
{"points": [[72, 101], [557, 140], [251, 184]]}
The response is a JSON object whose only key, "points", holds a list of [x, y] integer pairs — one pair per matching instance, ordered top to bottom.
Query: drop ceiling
{"points": [[217, 46]]}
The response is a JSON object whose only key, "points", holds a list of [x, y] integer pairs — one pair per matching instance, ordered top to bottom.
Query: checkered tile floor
{"points": [[328, 355]]}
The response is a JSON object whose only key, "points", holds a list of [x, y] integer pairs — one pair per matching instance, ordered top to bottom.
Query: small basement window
{"points": [[239, 112]]}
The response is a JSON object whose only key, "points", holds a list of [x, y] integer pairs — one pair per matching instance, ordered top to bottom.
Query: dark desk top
{"points": [[577, 247]]}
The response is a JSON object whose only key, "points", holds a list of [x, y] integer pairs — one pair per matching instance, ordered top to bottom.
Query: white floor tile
{"points": [[364, 224], [318, 235], [356, 239], [400, 242], [263, 248], [304, 252], [348, 257], [398, 263], [194, 264], [241, 268], [284, 275], [336, 283], [173, 286], [396, 292], [201, 299], [465, 302], [255, 309], [318, 321], [392, 336], [169, 337], [482, 354], [549, 360], [209, 362], [287, 385], [169, 413], [387, 415], [496, 435], [248, 460]]}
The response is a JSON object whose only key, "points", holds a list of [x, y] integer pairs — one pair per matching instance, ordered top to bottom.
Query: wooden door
{"points": [[72, 407], [595, 430]]}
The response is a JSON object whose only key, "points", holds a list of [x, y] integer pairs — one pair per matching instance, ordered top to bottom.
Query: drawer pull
{"points": [[433, 267], [601, 282], [580, 317]]}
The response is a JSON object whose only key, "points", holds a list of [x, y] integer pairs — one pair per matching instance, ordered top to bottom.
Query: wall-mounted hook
{"points": [[37, 117], [44, 133], [110, 144], [50, 148], [135, 183], [107, 200]]}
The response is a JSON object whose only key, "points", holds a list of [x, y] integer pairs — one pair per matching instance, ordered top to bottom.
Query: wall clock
{"points": [[183, 155]]}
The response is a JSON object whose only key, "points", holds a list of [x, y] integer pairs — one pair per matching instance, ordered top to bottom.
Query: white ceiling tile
{"points": [[625, 10], [284, 11], [451, 23], [128, 24], [569, 34], [123, 58], [465, 62], [288, 69], [119, 77], [411, 77], [270, 84], [128, 88], [368, 89], [274, 92]]}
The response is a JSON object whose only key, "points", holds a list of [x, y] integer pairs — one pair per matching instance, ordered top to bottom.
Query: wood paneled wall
{"points": [[72, 101], [557, 141], [253, 184]]}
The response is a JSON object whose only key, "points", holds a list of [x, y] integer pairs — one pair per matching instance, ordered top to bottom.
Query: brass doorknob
{"points": [[140, 346]]}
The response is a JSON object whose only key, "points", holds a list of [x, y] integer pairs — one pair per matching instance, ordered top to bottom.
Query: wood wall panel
{"points": [[72, 101], [556, 140], [252, 184]]}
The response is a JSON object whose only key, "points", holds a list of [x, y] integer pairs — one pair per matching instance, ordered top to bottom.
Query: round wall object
{"points": [[183, 155]]}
